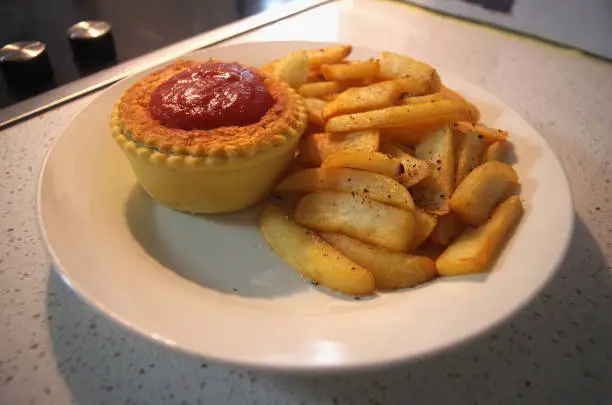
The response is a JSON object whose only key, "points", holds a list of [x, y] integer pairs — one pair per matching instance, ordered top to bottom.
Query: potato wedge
{"points": [[331, 54], [393, 65], [292, 69], [354, 70], [314, 75], [409, 86], [320, 89], [453, 95], [330, 97], [430, 98], [357, 99], [315, 107], [416, 116], [485, 132], [490, 133], [408, 136], [315, 148], [393, 150], [497, 151], [468, 153], [362, 160], [412, 170], [367, 184], [481, 190], [434, 192], [367, 220], [424, 224], [447, 229], [475, 249], [310, 255], [391, 270]]}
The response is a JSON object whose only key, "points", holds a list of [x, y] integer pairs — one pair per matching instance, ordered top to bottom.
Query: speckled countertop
{"points": [[54, 349]]}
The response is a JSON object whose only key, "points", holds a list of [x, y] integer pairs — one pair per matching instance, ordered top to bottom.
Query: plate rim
{"points": [[99, 307]]}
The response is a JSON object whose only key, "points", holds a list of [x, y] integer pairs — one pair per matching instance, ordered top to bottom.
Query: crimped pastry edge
{"points": [[159, 157]]}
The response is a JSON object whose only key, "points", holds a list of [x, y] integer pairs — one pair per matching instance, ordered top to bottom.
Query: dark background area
{"points": [[138, 27]]}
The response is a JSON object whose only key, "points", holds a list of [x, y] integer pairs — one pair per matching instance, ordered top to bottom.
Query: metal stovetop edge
{"points": [[52, 98]]}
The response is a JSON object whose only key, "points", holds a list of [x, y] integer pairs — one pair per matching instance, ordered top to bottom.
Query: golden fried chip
{"points": [[331, 54], [393, 66], [354, 70], [321, 89], [357, 99], [315, 107], [416, 116], [316, 148], [362, 160], [358, 182], [481, 190], [434, 192], [359, 217], [475, 249], [310, 255], [391, 270]]}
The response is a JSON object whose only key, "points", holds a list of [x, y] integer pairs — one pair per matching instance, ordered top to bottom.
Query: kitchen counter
{"points": [[55, 349]]}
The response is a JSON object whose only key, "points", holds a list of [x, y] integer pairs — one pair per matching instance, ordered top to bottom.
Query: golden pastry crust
{"points": [[136, 124], [206, 172]]}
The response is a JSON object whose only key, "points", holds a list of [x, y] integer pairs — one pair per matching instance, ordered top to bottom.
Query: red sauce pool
{"points": [[211, 95]]}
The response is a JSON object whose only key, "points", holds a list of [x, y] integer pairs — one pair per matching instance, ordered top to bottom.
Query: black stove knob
{"points": [[92, 42], [25, 63]]}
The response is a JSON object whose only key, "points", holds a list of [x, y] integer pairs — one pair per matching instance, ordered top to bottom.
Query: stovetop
{"points": [[138, 27]]}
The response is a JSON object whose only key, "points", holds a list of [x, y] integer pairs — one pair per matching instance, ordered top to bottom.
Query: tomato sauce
{"points": [[211, 95]]}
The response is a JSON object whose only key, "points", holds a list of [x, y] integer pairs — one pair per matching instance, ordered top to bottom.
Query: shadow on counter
{"points": [[558, 350]]}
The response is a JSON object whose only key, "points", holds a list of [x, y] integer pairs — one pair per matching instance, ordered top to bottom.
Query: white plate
{"points": [[210, 285]]}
